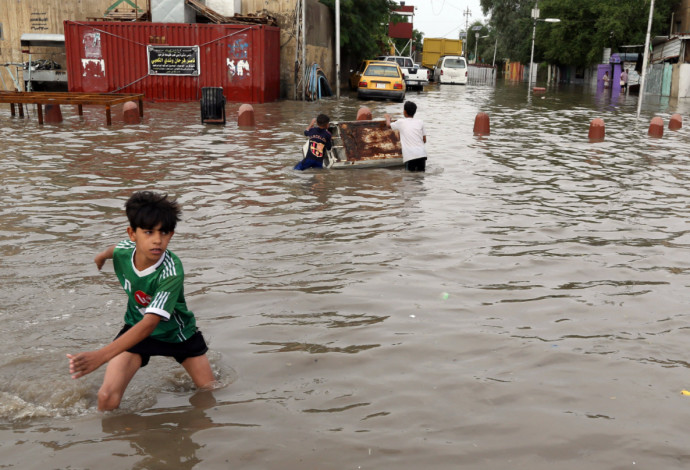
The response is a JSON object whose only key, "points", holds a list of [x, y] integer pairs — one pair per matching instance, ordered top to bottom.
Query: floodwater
{"points": [[522, 304]]}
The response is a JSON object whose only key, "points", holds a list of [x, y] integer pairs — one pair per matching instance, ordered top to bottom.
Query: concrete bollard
{"points": [[52, 113], [130, 113], [364, 114], [245, 117], [676, 122], [481, 124], [656, 127], [597, 130]]}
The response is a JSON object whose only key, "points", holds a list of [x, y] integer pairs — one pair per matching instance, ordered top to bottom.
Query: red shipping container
{"points": [[173, 61]]}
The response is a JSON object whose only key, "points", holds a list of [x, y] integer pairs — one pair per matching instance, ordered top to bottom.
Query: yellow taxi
{"points": [[378, 79]]}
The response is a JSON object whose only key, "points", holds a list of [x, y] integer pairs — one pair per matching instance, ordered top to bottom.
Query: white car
{"points": [[451, 69]]}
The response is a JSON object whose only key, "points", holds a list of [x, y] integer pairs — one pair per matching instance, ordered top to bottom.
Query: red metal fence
{"points": [[173, 61]]}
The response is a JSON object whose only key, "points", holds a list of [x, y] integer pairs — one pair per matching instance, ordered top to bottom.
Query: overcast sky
{"points": [[444, 18]]}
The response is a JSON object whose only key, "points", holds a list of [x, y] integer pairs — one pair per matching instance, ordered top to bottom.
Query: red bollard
{"points": [[52, 113], [130, 113], [364, 114], [245, 116], [676, 122], [481, 124], [656, 127], [597, 130]]}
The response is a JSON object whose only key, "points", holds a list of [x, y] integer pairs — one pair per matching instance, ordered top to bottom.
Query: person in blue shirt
{"points": [[319, 142]]}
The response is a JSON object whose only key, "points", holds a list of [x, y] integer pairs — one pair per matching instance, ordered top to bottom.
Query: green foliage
{"points": [[363, 26], [586, 27]]}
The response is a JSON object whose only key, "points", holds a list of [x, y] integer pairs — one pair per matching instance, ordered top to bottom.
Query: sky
{"points": [[444, 18]]}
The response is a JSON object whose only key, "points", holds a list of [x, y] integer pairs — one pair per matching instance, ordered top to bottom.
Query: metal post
{"points": [[476, 43], [495, 47], [304, 48], [337, 49], [531, 58], [644, 60], [28, 85]]}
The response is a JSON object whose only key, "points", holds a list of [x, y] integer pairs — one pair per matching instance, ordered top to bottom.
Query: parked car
{"points": [[451, 69], [426, 71], [356, 75], [415, 77], [379, 79]]}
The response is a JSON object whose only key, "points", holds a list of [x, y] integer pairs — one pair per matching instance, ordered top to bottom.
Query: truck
{"points": [[434, 48], [415, 76]]}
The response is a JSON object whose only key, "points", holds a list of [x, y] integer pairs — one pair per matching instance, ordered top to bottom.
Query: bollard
{"points": [[53, 113], [130, 113], [364, 114], [245, 117], [676, 122], [481, 124], [656, 127], [597, 130]]}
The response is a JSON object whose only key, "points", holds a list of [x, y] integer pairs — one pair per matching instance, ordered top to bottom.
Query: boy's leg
{"points": [[199, 369], [118, 374]]}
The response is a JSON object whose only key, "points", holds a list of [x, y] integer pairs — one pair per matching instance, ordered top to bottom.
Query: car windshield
{"points": [[454, 63], [382, 71]]}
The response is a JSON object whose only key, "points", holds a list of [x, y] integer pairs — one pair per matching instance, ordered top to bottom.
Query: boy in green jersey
{"points": [[157, 321]]}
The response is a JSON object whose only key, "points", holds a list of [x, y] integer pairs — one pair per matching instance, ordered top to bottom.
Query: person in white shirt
{"points": [[412, 137]]}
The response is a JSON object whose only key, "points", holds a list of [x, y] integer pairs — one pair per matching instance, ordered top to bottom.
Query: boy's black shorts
{"points": [[193, 347]]}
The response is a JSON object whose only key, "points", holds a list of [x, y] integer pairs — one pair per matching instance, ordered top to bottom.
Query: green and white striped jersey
{"points": [[158, 289]]}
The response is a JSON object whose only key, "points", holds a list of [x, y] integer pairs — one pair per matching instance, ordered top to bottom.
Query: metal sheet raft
{"points": [[78, 99]]}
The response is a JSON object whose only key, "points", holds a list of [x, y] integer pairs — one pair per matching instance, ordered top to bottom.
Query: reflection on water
{"points": [[519, 304]]}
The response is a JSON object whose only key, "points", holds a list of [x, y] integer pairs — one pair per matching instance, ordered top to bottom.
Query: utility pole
{"points": [[467, 13], [337, 49], [645, 59]]}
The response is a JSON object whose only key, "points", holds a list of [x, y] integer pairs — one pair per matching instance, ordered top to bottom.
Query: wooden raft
{"points": [[41, 98]]}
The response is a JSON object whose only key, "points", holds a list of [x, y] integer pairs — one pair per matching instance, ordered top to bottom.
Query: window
{"points": [[455, 63]]}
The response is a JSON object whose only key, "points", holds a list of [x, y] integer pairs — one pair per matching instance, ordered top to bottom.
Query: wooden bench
{"points": [[41, 98]]}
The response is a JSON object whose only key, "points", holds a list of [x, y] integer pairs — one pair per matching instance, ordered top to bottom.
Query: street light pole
{"points": [[535, 15], [476, 43]]}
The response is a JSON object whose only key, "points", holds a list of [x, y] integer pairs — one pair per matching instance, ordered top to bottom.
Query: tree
{"points": [[363, 25], [586, 27]]}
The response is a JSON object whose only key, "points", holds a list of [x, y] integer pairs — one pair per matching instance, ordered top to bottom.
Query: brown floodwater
{"points": [[520, 305]]}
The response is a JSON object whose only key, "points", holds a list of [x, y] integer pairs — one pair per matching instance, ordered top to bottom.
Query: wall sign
{"points": [[173, 60]]}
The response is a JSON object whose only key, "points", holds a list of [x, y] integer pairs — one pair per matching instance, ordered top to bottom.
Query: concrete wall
{"points": [[41, 17], [681, 18], [320, 38], [681, 81]]}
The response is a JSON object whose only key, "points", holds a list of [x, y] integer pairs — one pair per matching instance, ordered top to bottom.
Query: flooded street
{"points": [[522, 304]]}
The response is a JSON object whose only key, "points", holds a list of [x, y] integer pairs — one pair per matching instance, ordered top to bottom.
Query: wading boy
{"points": [[412, 137], [319, 142], [157, 321]]}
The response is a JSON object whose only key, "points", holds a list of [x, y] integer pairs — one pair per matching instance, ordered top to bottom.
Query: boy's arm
{"points": [[388, 120], [311, 124], [104, 255], [87, 362]]}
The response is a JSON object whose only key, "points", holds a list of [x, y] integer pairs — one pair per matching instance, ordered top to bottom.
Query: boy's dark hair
{"points": [[410, 108], [322, 120], [146, 209]]}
